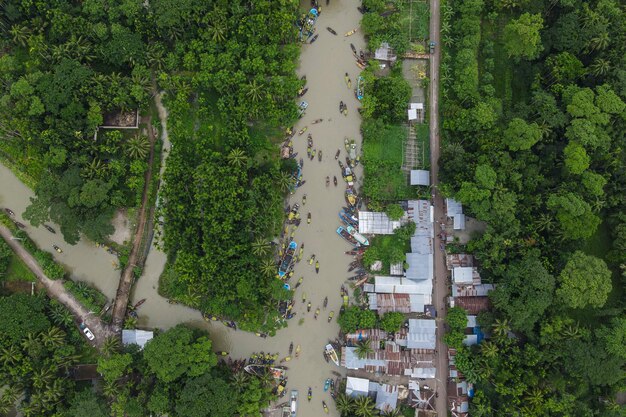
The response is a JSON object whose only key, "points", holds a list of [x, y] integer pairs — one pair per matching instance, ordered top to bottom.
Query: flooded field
{"points": [[324, 63]]}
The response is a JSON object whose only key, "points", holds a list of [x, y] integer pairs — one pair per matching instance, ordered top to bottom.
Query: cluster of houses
{"points": [[409, 354]]}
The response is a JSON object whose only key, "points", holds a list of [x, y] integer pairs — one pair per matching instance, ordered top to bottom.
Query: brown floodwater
{"points": [[324, 63]]}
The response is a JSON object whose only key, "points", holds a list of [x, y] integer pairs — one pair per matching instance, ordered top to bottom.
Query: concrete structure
{"points": [[421, 335], [357, 387], [385, 395]]}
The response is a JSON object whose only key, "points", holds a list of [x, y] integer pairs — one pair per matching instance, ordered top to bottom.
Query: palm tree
{"points": [[445, 27], [217, 31], [20, 34], [599, 42], [155, 56], [600, 67], [254, 92], [138, 147], [237, 158], [95, 169], [285, 181], [545, 222], [260, 247], [268, 267], [60, 315], [130, 323], [501, 327], [572, 331], [54, 337], [31, 344], [111, 345], [364, 348], [489, 349], [10, 356], [42, 377], [239, 380], [110, 389], [535, 398], [8, 399], [344, 404], [364, 407], [392, 412]]}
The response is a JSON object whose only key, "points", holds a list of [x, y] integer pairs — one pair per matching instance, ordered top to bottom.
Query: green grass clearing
{"points": [[18, 271]]}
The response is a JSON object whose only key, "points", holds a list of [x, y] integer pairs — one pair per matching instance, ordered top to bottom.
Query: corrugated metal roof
{"points": [[420, 177], [453, 207], [459, 221], [378, 223], [422, 245], [459, 259], [420, 266], [396, 269], [463, 275], [399, 285], [479, 290], [473, 305], [421, 334], [136, 337], [356, 387], [386, 397]]}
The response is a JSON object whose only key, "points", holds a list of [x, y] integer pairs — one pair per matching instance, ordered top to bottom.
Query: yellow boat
{"points": [[352, 32]]}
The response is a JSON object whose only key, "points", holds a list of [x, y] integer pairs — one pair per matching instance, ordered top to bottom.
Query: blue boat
{"points": [[359, 88], [348, 219], [285, 264]]}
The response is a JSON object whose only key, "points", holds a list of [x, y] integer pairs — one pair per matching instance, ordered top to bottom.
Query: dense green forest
{"points": [[64, 66], [228, 70], [533, 145], [224, 184], [176, 374]]}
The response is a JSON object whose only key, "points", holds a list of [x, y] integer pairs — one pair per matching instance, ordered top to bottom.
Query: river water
{"points": [[324, 63]]}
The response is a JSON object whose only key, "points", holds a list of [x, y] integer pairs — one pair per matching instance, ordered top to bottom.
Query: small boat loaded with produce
{"points": [[350, 196], [346, 235], [357, 236], [287, 261], [329, 351]]}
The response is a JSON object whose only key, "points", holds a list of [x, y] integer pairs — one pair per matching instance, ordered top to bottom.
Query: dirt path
{"points": [[441, 275], [126, 279], [57, 291]]}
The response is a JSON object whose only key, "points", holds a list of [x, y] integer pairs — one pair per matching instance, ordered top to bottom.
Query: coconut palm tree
{"points": [[218, 31], [20, 34], [599, 42], [155, 56], [600, 67], [254, 92], [138, 147], [237, 158], [95, 169], [285, 181], [545, 221], [260, 247], [268, 267], [60, 315], [130, 323], [501, 327], [571, 331], [54, 337], [111, 345], [364, 348], [489, 349], [10, 356], [42, 377], [239, 380], [110, 389], [8, 399], [344, 404], [364, 407], [392, 412]]}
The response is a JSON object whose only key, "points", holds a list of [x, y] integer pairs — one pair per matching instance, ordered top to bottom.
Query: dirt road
{"points": [[441, 277], [126, 279], [57, 291]]}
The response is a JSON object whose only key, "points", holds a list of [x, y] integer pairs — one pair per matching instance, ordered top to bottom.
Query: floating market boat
{"points": [[307, 24], [359, 88], [302, 108], [350, 148], [350, 196], [348, 219], [346, 235], [357, 236], [287, 261], [330, 351], [326, 384], [294, 402]]}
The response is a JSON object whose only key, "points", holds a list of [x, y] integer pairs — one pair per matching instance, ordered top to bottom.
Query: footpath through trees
{"points": [[126, 279], [57, 291]]}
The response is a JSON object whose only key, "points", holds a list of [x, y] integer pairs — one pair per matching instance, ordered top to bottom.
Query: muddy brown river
{"points": [[324, 63]]}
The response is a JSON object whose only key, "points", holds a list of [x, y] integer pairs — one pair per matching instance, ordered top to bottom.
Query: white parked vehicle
{"points": [[88, 333]]}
